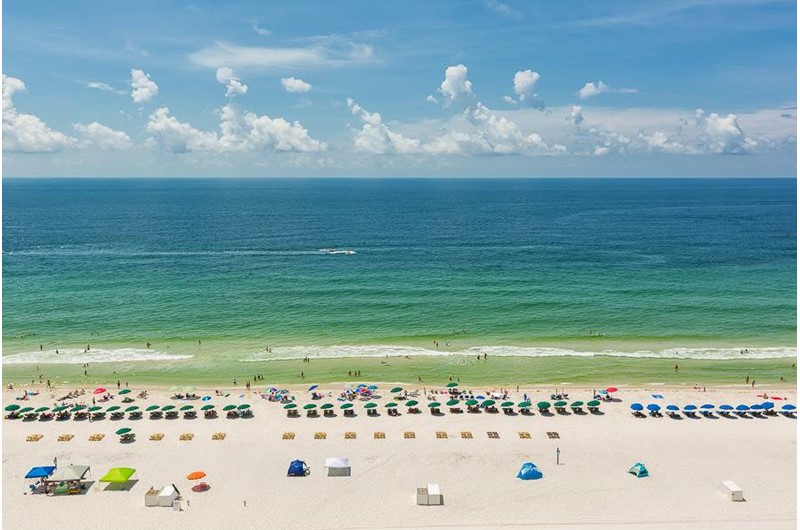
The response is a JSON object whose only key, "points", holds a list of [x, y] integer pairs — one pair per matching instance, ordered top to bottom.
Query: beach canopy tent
{"points": [[338, 467], [297, 468], [638, 470], [529, 471], [40, 472], [68, 473], [118, 475]]}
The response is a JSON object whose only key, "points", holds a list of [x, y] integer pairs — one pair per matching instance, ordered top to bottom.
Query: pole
{"points": [[558, 456]]}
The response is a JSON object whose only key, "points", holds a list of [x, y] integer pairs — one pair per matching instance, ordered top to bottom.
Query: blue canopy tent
{"points": [[297, 468], [638, 470], [529, 471], [40, 472]]}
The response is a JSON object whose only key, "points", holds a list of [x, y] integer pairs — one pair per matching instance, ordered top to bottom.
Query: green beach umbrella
{"points": [[451, 384], [174, 388], [396, 389], [124, 391], [471, 402], [412, 403], [453, 403], [488, 403], [593, 403], [506, 404], [524, 404], [560, 404], [576, 404], [370, 405], [391, 405], [434, 405], [543, 405], [243, 406], [290, 406], [309, 406], [327, 406], [346, 406], [12, 407], [186, 407], [209, 407], [60, 408], [76, 408], [112, 408], [132, 408], [151, 408], [168, 408], [226, 408], [42, 409], [94, 409], [25, 410], [124, 430], [118, 475]]}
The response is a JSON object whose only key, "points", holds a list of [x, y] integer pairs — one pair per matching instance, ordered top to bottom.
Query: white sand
{"points": [[687, 460]]}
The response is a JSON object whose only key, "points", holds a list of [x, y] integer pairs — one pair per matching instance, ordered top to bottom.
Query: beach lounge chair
{"points": [[350, 412], [247, 413], [210, 414], [118, 415], [135, 415], [155, 415], [171, 415], [349, 435], [379, 435], [409, 435], [441, 435], [466, 435], [493, 435], [525, 435], [553, 435], [218, 436], [288, 436], [320, 436], [34, 437], [66, 437], [96, 437], [127, 437], [157, 437], [186, 437]]}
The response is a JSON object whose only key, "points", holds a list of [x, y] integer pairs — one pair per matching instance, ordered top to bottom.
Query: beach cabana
{"points": [[338, 467], [298, 468], [638, 470], [529, 471], [66, 479]]}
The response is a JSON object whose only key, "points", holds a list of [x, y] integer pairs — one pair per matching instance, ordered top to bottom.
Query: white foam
{"points": [[380, 350], [98, 355]]}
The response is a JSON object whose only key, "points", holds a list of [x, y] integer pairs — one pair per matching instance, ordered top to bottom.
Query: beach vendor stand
{"points": [[67, 480]]}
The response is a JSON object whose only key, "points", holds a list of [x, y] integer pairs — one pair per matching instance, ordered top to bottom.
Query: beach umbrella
{"points": [[451, 384], [312, 387], [372, 387], [396, 389], [611, 389], [100, 390], [124, 391], [602, 391], [480, 397], [205, 398], [454, 402], [471, 402], [412, 403], [488, 403], [593, 403], [506, 404], [524, 404], [560, 404], [576, 404], [370, 405], [391, 405], [434, 405], [543, 405], [768, 405], [243, 406], [290, 406], [310, 406], [326, 406], [346, 406], [637, 406], [707, 406], [12, 407], [186, 407], [207, 407], [653, 407], [673, 407], [690, 407], [725, 407], [756, 407], [788, 407], [59, 408], [76, 408], [112, 408], [132, 408], [151, 408], [168, 408], [226, 408], [742, 408], [42, 409], [94, 409], [25, 410], [124, 430], [40, 472], [118, 475], [196, 475]]}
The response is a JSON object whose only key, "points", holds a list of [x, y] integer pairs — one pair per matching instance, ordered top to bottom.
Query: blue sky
{"points": [[461, 88]]}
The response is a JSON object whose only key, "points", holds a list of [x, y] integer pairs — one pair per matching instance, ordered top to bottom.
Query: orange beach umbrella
{"points": [[196, 475]]}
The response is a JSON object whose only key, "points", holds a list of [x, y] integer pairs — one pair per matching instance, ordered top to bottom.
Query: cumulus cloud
{"points": [[293, 84], [525, 84], [456, 86], [105, 87], [235, 87], [144, 89], [593, 89], [432, 99], [576, 115], [238, 132], [26, 133], [723, 134], [98, 135], [376, 138]]}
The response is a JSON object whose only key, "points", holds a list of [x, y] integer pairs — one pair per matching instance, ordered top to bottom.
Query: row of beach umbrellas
{"points": [[453, 403], [708, 407]]}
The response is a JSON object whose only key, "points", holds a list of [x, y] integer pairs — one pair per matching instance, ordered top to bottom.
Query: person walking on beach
{"points": [[753, 383]]}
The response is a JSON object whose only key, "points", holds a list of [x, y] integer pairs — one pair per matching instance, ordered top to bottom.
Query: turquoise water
{"points": [[658, 267]]}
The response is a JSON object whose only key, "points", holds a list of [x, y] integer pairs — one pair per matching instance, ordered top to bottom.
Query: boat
{"points": [[337, 251]]}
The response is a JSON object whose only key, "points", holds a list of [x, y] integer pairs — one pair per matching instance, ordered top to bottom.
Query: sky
{"points": [[409, 88]]}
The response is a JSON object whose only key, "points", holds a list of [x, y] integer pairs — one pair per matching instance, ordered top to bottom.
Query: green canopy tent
{"points": [[118, 475]]}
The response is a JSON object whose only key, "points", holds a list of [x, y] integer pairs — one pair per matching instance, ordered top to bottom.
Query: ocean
{"points": [[230, 270]]}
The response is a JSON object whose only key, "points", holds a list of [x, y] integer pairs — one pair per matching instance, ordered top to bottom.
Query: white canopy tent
{"points": [[338, 467]]}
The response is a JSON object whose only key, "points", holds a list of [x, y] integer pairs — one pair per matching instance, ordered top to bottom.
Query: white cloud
{"points": [[503, 9], [260, 31], [319, 53], [293, 84], [525, 84], [456, 85], [234, 86], [105, 87], [144, 89], [594, 89], [432, 99], [510, 100], [576, 115], [239, 132], [26, 133], [723, 134], [98, 135], [376, 138]]}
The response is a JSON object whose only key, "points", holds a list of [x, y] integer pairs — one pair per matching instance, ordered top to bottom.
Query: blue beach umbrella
{"points": [[312, 387], [372, 387], [480, 397], [205, 398], [636, 406], [707, 406], [768, 406], [653, 407], [725, 407], [756, 407], [788, 407], [673, 408], [690, 408], [742, 408]]}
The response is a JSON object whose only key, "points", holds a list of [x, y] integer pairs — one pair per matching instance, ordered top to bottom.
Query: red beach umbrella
{"points": [[611, 389], [100, 390]]}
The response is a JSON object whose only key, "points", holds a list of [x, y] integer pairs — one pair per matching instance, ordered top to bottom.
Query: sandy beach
{"points": [[687, 460]]}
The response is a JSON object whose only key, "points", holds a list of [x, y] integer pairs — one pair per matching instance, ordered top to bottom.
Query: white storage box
{"points": [[731, 491], [434, 495], [167, 496], [422, 496]]}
